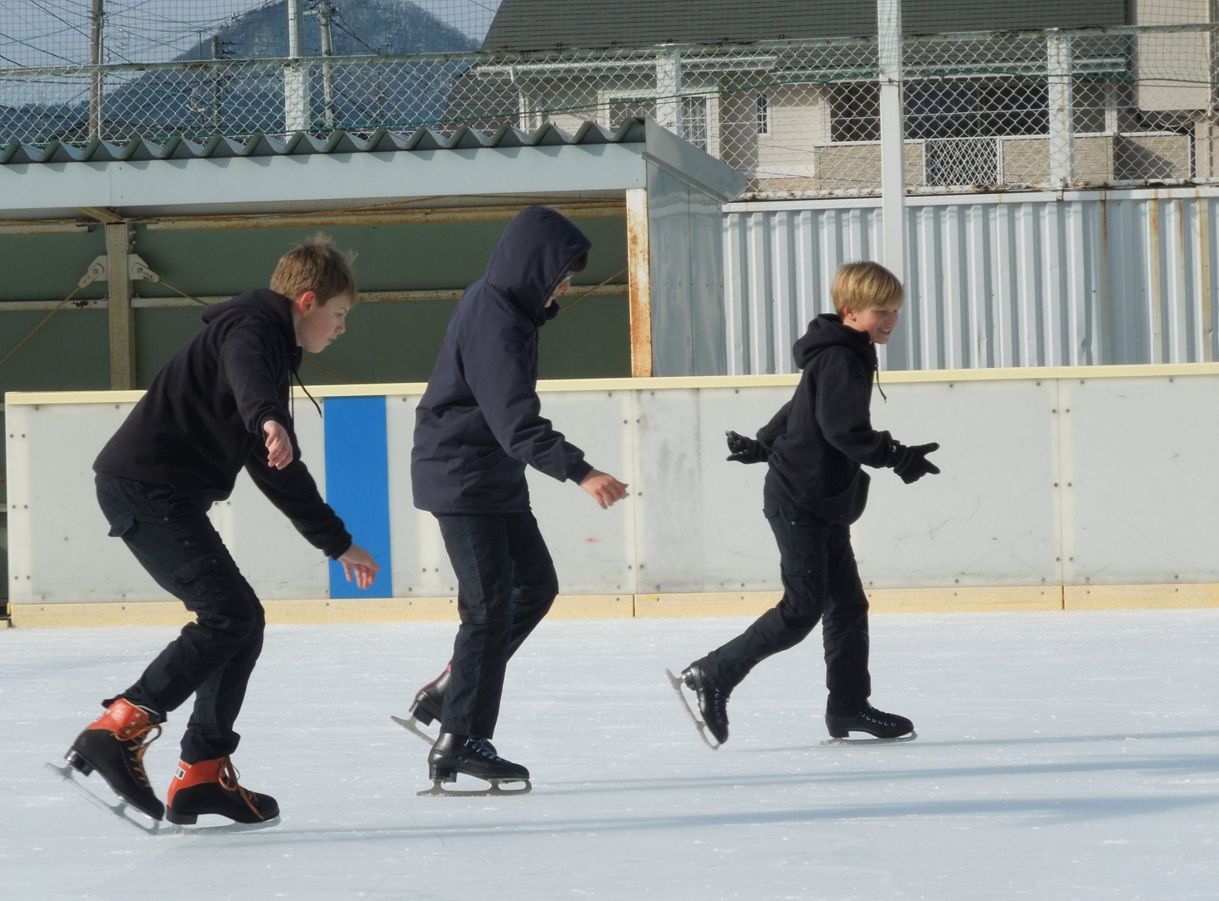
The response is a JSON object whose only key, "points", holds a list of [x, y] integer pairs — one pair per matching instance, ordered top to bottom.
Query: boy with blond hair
{"points": [[220, 404], [815, 489]]}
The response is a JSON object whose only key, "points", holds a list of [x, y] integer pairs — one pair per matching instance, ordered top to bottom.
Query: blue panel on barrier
{"points": [[357, 486]]}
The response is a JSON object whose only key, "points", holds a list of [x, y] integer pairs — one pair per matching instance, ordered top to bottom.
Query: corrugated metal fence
{"points": [[1094, 277]]}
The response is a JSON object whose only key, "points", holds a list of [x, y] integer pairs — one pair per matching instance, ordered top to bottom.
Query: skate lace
{"points": [[879, 717], [137, 737], [483, 747], [228, 777]]}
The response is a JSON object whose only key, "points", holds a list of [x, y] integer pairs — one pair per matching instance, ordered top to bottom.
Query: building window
{"points": [[944, 108], [854, 112], [763, 114], [694, 121]]}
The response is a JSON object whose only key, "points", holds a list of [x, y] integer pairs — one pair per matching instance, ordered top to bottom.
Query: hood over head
{"points": [[535, 253]]}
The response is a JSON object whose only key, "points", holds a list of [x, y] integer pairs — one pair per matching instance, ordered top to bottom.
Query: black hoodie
{"points": [[201, 419], [479, 422], [825, 430]]}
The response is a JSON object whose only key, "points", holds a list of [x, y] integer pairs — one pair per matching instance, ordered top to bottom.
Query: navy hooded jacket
{"points": [[201, 419], [479, 423], [825, 432]]}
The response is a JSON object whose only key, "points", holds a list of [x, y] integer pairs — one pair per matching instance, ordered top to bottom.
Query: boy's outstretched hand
{"points": [[279, 445], [744, 450], [912, 463], [604, 488], [358, 562]]}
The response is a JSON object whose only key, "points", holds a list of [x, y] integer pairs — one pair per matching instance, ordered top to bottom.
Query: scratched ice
{"points": [[1061, 756]]}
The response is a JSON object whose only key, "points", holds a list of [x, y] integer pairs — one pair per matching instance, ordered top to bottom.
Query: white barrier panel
{"points": [[1050, 481]]}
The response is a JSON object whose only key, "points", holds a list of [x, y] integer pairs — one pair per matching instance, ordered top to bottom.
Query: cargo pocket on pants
{"points": [[122, 526]]}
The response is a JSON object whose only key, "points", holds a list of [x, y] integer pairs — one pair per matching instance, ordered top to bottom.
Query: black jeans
{"points": [[820, 582], [506, 584], [212, 657]]}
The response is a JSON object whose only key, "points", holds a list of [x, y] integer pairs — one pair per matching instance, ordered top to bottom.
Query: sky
{"points": [[1060, 756]]}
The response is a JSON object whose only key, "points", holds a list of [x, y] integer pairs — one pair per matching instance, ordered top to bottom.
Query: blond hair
{"points": [[315, 265], [864, 286]]}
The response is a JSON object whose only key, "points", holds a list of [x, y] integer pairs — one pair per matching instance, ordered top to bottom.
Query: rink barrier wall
{"points": [[1062, 489]]}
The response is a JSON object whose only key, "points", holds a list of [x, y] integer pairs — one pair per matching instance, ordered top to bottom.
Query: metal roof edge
{"points": [[382, 140], [715, 177]]}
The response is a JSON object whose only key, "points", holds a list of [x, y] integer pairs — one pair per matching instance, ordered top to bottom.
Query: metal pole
{"points": [[324, 10], [294, 28], [96, 40], [296, 85], [668, 89], [217, 94], [1062, 143], [892, 156]]}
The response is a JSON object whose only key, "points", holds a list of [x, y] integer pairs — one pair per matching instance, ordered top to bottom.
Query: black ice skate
{"points": [[428, 703], [712, 703], [882, 726], [114, 746], [453, 754], [211, 787]]}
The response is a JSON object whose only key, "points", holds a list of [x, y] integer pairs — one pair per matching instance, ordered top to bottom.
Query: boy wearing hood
{"points": [[220, 404], [477, 427], [815, 489]]}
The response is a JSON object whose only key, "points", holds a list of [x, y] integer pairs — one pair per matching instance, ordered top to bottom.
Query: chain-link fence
{"points": [[1119, 105]]}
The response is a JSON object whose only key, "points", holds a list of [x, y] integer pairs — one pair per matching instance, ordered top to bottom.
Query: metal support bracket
{"points": [[99, 269]]}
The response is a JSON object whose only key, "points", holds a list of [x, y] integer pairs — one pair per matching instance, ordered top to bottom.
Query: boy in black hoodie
{"points": [[221, 404], [477, 427], [815, 488]]}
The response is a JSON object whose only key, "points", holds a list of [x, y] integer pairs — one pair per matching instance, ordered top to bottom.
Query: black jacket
{"points": [[201, 419], [479, 422], [818, 440]]}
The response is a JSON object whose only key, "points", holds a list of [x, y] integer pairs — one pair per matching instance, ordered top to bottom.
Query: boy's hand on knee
{"points": [[279, 445], [604, 488], [358, 563]]}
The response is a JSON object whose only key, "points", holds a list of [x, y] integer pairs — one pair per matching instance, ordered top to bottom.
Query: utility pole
{"points": [[324, 10], [96, 40], [296, 82], [217, 91]]}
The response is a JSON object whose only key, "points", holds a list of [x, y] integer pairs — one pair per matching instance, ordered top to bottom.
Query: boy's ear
{"points": [[306, 300]]}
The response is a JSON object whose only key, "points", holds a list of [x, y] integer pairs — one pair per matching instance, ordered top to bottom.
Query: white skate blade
{"points": [[677, 682], [410, 724], [870, 741], [494, 788], [118, 808]]}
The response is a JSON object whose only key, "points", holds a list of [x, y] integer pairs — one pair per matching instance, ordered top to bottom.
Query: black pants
{"points": [[820, 582], [506, 584], [212, 657]]}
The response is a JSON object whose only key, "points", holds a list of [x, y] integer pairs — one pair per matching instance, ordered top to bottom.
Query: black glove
{"points": [[744, 450], [911, 463]]}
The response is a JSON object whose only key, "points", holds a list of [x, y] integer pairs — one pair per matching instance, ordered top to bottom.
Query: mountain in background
{"points": [[359, 28], [249, 99]]}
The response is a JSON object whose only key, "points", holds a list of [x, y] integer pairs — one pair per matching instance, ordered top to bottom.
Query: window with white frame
{"points": [[763, 114], [694, 121]]}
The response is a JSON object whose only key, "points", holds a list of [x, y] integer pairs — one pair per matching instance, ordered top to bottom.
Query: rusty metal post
{"points": [[639, 280]]}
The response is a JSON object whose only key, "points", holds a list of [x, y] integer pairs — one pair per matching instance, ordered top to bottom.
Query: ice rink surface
{"points": [[1060, 756]]}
